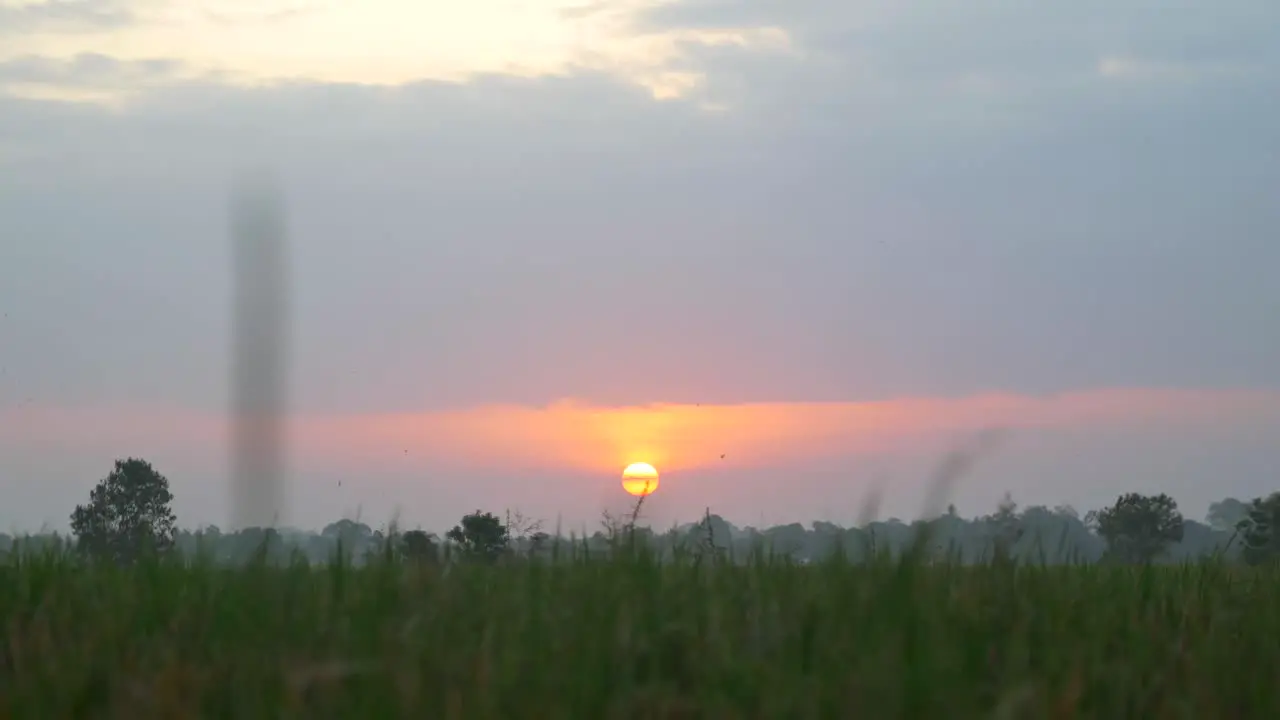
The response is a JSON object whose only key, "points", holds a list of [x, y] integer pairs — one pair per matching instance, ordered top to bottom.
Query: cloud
{"points": [[259, 12], [33, 17], [939, 38], [393, 42], [990, 66], [979, 68], [88, 77], [1099, 248], [569, 436], [684, 438]]}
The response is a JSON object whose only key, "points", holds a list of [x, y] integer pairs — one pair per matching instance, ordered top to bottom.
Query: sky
{"points": [[791, 252]]}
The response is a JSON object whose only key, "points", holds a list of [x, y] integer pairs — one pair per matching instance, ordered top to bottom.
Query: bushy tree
{"points": [[1066, 511], [128, 514], [1225, 515], [1139, 528], [1260, 530], [481, 535], [355, 538], [258, 545], [418, 546]]}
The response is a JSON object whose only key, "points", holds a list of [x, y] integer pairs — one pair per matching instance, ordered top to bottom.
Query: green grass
{"points": [[634, 638]]}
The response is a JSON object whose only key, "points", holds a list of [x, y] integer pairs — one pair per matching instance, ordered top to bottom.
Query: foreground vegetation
{"points": [[940, 618], [576, 636]]}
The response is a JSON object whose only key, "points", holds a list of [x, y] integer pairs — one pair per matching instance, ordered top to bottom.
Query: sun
{"points": [[640, 479]]}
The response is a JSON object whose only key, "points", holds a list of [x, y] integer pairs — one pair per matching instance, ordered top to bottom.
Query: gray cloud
{"points": [[66, 16], [938, 37], [88, 71], [853, 238], [519, 240]]}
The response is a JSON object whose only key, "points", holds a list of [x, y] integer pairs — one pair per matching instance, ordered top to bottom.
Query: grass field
{"points": [[586, 638]]}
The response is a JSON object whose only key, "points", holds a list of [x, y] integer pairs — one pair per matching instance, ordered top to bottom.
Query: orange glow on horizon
{"points": [[594, 441], [640, 479]]}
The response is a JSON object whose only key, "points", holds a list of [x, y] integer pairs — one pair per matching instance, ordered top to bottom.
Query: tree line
{"points": [[129, 515]]}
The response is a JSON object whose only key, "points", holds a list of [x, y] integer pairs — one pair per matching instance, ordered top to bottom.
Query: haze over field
{"points": [[533, 242]]}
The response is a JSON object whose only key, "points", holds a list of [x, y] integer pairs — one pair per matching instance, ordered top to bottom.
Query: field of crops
{"points": [[585, 638]]}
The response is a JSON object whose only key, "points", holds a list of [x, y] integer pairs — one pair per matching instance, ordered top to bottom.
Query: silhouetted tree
{"points": [[1066, 511], [128, 514], [1005, 527], [1139, 528], [1260, 530], [1035, 534], [480, 535], [352, 536], [539, 542], [257, 545], [418, 546]]}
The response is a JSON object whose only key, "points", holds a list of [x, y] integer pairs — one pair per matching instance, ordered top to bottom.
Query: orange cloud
{"points": [[570, 435], [579, 437]]}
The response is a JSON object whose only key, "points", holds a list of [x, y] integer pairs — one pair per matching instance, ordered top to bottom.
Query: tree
{"points": [[128, 514], [1225, 515], [1005, 527], [1139, 528], [1260, 530], [481, 535], [353, 537], [539, 542], [257, 545], [418, 546]]}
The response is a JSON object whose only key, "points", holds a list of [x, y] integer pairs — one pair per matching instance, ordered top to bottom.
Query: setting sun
{"points": [[640, 479]]}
